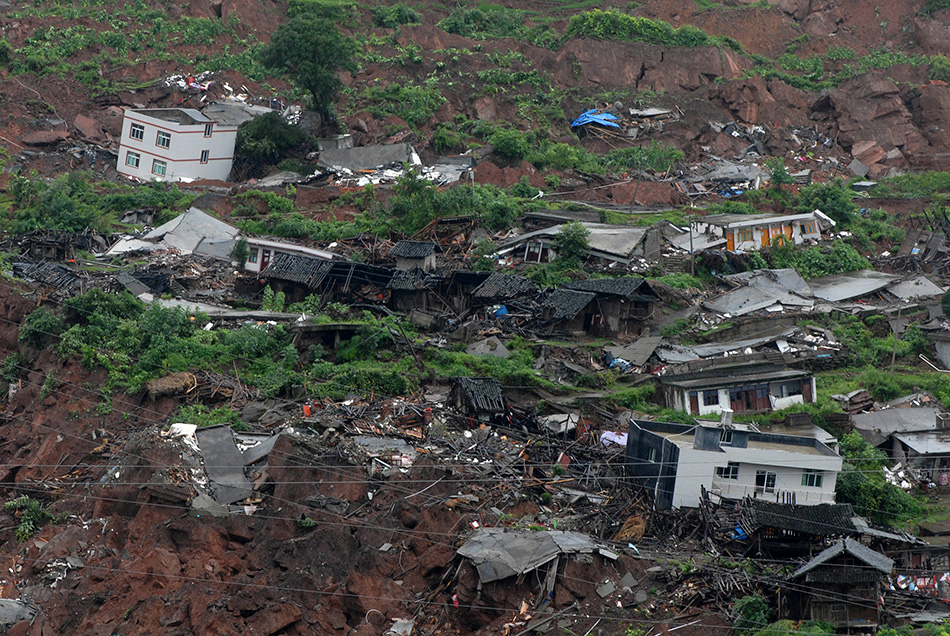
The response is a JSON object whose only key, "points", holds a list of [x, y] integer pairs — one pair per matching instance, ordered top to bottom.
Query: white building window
{"points": [[208, 129], [137, 132], [163, 140], [204, 156], [132, 159], [158, 167], [252, 255], [711, 398], [725, 437], [652, 454], [729, 471], [812, 478], [764, 481]]}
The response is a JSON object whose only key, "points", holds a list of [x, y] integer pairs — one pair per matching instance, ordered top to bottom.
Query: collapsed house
{"points": [[743, 232], [606, 243], [610, 307], [479, 399], [677, 462], [841, 586]]}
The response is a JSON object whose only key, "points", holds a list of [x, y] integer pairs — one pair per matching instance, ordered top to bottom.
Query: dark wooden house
{"points": [[338, 281], [601, 307], [780, 530], [841, 586]]}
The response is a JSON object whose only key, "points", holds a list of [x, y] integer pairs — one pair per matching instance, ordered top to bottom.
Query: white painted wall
{"points": [[182, 158], [256, 247], [697, 468]]}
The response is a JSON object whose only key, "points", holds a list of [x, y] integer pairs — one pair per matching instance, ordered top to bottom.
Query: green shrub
{"points": [[933, 6], [392, 16], [487, 22], [614, 25], [940, 68], [413, 104], [268, 138], [447, 138], [510, 143], [831, 198], [41, 328], [202, 416], [32, 516], [752, 612]]}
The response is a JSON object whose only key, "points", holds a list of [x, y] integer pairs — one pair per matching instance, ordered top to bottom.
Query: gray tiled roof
{"points": [[412, 249], [504, 286], [630, 287], [564, 304], [484, 394], [822, 520], [874, 559]]}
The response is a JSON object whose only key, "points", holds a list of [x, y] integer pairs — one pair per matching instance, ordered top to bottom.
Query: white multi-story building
{"points": [[175, 144], [677, 462]]}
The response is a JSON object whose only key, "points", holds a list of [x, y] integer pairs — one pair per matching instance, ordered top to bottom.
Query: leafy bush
{"points": [[933, 6], [392, 16], [484, 23], [614, 25], [940, 68], [414, 104], [268, 138], [447, 138], [510, 143], [912, 186], [831, 198], [731, 207], [570, 242], [816, 261], [41, 328], [202, 416], [861, 483], [32, 516], [752, 613], [805, 628]]}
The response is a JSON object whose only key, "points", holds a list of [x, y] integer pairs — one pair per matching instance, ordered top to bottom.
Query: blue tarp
{"points": [[593, 117]]}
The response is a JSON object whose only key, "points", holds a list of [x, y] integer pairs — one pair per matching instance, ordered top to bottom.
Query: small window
{"points": [[208, 129], [137, 132], [163, 140], [204, 156], [132, 159], [158, 167], [745, 235], [252, 255], [711, 398], [725, 437], [652, 455], [729, 471], [812, 478]]}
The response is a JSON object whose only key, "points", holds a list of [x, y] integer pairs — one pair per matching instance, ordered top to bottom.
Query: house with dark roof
{"points": [[414, 254], [299, 276], [500, 288], [415, 289], [600, 307], [742, 388], [480, 399], [679, 462], [779, 530], [841, 586]]}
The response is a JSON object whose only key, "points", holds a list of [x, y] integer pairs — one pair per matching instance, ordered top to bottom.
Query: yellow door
{"points": [[731, 241]]}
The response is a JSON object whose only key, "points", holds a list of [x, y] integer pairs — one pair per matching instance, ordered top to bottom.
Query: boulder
{"points": [[45, 137]]}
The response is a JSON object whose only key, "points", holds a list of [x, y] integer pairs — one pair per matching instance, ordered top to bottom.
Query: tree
{"points": [[312, 50], [779, 172], [830, 198], [571, 243], [240, 252]]}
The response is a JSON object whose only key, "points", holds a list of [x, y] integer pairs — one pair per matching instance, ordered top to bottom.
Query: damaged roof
{"points": [[368, 157], [412, 249], [295, 268], [503, 286], [627, 287], [840, 287], [763, 288], [564, 304], [636, 353], [483, 394], [877, 426], [821, 519], [498, 553], [871, 558]]}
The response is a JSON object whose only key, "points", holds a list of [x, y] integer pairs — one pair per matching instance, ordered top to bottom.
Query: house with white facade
{"points": [[175, 144], [753, 231], [261, 252], [750, 388], [677, 461]]}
